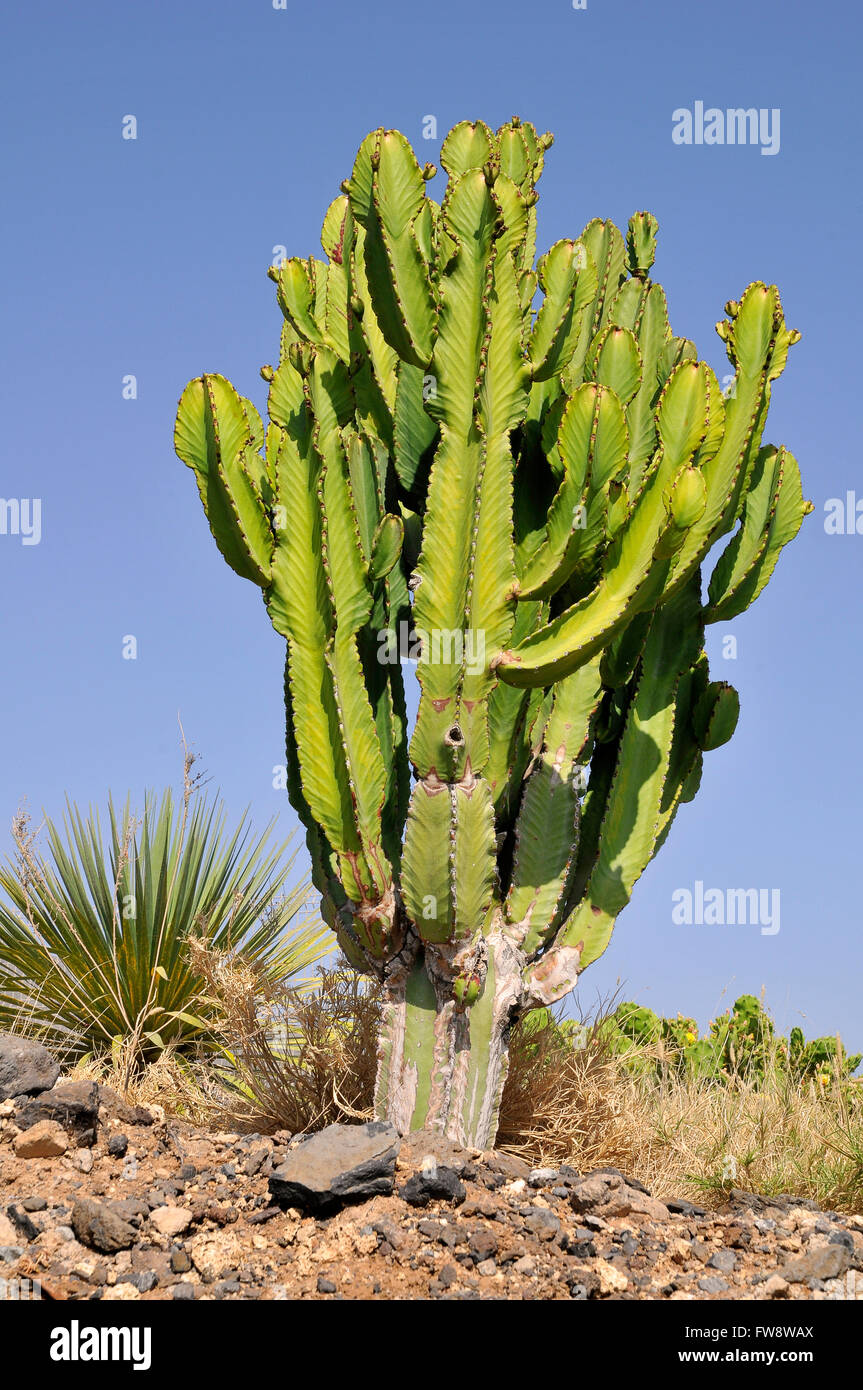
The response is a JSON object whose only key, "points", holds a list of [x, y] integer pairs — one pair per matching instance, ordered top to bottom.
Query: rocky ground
{"points": [[102, 1201]]}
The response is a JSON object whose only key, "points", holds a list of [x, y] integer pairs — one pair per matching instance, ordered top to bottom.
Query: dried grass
{"points": [[296, 1058], [681, 1136]]}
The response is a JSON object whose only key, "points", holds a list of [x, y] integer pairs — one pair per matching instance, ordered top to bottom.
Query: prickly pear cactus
{"points": [[521, 497]]}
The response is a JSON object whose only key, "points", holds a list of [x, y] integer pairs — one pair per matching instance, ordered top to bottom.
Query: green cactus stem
{"points": [[529, 492]]}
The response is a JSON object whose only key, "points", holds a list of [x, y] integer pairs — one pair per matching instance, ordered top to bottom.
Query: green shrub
{"points": [[94, 944], [742, 1042]]}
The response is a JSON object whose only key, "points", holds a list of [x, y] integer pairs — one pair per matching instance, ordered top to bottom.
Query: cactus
{"points": [[528, 494], [742, 1042]]}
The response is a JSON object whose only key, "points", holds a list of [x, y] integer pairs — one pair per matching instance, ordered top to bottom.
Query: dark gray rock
{"points": [[26, 1067], [73, 1104], [118, 1145], [254, 1161], [342, 1163], [616, 1173], [434, 1185], [34, 1204], [684, 1208], [257, 1218], [22, 1223], [542, 1223], [95, 1224], [836, 1238], [483, 1245], [9, 1254], [723, 1260], [181, 1261], [822, 1262], [143, 1280], [711, 1283], [325, 1285], [183, 1293]]}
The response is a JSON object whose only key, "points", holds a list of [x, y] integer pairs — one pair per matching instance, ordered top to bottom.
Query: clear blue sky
{"points": [[149, 257]]}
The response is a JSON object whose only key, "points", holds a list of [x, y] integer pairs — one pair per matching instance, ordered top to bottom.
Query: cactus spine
{"points": [[529, 494]]}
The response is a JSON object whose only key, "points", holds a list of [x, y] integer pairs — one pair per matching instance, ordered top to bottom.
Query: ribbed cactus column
{"points": [[529, 493]]}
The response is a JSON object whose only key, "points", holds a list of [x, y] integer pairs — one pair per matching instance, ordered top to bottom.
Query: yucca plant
{"points": [[94, 945]]}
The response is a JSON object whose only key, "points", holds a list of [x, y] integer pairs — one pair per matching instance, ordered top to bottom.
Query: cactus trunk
{"points": [[528, 496], [442, 1067]]}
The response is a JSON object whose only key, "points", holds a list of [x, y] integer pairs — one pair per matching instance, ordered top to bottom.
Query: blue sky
{"points": [[149, 257]]}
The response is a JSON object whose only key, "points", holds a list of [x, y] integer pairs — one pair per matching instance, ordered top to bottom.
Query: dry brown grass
{"points": [[297, 1058], [682, 1137]]}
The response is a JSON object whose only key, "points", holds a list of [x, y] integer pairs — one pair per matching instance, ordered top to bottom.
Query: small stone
{"points": [[26, 1067], [46, 1139], [118, 1145], [84, 1160], [254, 1161], [543, 1177], [433, 1184], [588, 1193], [629, 1201], [34, 1204], [681, 1207], [257, 1218], [21, 1221], [171, 1221], [542, 1223], [764, 1224], [96, 1225], [483, 1245], [10, 1254], [723, 1260], [180, 1261], [525, 1266], [486, 1268], [448, 1276], [143, 1280], [611, 1280], [711, 1283], [325, 1285], [775, 1286], [183, 1293]]}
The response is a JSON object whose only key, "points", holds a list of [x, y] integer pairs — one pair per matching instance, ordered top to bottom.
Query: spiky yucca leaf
{"points": [[94, 942]]}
